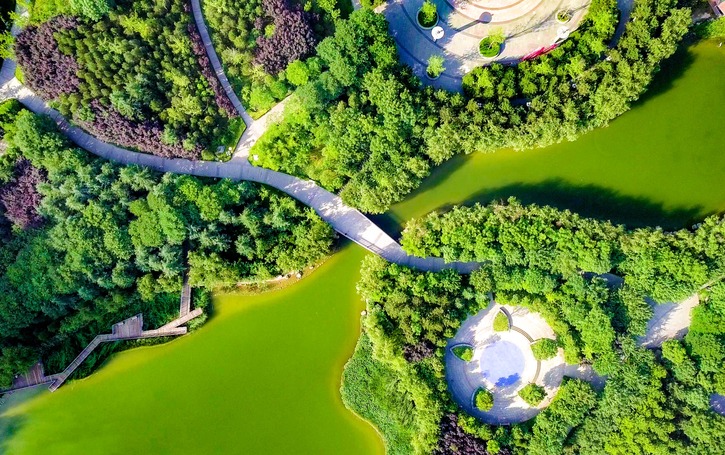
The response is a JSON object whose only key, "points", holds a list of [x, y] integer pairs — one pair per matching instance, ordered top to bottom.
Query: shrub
{"points": [[92, 9], [428, 14], [711, 29], [293, 38], [197, 46], [435, 66], [48, 71], [297, 73], [20, 196], [501, 322], [544, 349], [463, 352], [532, 394], [484, 399]]}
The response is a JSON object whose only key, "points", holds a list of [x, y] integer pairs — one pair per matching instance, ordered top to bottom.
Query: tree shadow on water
{"points": [[671, 70], [590, 201], [594, 201], [9, 426]]}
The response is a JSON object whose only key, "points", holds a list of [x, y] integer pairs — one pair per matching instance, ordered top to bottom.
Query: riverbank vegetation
{"points": [[135, 75], [366, 128], [87, 243], [551, 262]]}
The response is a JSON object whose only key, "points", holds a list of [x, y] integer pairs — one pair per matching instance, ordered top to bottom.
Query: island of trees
{"points": [[549, 261]]}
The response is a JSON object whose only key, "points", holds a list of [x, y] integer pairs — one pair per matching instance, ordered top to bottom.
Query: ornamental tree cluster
{"points": [[293, 38], [47, 71], [20, 196]]}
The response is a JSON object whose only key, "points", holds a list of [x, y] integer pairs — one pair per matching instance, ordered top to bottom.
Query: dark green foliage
{"points": [[365, 127], [113, 240], [544, 349], [463, 352], [14, 359], [532, 394], [483, 399], [574, 400]]}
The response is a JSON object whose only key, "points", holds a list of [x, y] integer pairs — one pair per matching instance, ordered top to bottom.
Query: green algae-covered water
{"points": [[662, 163], [262, 377]]}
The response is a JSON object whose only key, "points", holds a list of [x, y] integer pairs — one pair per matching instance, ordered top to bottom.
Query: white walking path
{"points": [[344, 219]]}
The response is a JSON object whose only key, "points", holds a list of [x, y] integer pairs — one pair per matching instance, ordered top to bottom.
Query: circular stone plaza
{"points": [[530, 28], [502, 363]]}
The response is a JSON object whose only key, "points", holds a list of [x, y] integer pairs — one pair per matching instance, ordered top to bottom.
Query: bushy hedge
{"points": [[532, 394]]}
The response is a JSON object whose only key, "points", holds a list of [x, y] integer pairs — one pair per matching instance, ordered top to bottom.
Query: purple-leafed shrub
{"points": [[293, 38], [197, 46], [46, 69], [110, 126], [20, 196], [418, 352], [454, 440]]}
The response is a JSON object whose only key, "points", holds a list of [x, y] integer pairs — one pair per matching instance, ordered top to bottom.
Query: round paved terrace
{"points": [[529, 26], [503, 363]]}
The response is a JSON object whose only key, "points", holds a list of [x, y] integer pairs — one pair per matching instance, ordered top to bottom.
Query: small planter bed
{"points": [[427, 15], [563, 16], [489, 48], [501, 322], [463, 352], [483, 399]]}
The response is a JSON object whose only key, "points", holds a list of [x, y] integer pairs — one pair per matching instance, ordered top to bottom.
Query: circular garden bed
{"points": [[489, 48]]}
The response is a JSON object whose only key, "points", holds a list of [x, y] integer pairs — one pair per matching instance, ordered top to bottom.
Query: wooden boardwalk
{"points": [[185, 304], [128, 329]]}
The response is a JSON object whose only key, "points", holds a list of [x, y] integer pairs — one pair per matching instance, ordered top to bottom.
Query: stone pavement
{"points": [[529, 25], [670, 321], [503, 363]]}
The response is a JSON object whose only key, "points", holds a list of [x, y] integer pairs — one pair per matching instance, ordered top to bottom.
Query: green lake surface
{"points": [[262, 377]]}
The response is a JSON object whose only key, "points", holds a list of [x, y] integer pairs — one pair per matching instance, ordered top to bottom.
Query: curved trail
{"points": [[344, 219]]}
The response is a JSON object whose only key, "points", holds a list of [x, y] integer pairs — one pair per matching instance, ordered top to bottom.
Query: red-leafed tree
{"points": [[293, 38], [47, 70], [20, 196]]}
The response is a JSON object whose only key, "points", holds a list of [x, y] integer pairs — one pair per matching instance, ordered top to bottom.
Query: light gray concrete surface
{"points": [[529, 25], [670, 320], [502, 363]]}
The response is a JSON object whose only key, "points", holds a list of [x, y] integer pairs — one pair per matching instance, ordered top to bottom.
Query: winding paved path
{"points": [[344, 219]]}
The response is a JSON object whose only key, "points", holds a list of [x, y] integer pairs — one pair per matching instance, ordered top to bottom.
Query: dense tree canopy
{"points": [[113, 239], [560, 265]]}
